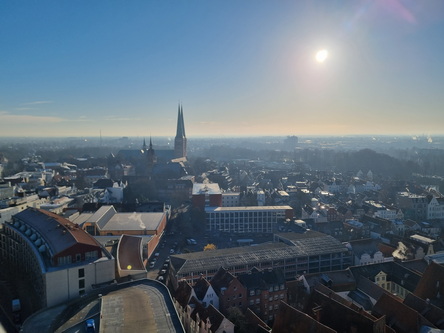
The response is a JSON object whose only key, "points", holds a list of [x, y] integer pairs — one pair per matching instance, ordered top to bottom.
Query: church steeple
{"points": [[180, 142], [144, 145], [151, 155]]}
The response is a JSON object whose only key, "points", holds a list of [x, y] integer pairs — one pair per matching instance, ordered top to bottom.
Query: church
{"points": [[130, 164]]}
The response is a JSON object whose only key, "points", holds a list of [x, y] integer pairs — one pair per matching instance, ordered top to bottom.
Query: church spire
{"points": [[180, 142], [144, 145]]}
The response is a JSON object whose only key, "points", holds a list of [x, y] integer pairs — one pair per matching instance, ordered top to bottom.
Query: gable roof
{"points": [[395, 273], [222, 279], [262, 279], [431, 285], [201, 287], [183, 293], [426, 309], [398, 315], [290, 320]]}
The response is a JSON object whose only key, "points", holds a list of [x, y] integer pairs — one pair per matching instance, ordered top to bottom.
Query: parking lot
{"points": [[177, 243]]}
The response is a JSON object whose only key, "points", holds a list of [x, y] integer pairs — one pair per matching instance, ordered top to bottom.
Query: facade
{"points": [[206, 195], [230, 199], [435, 209], [246, 219], [367, 251], [59, 259], [265, 290], [230, 291]]}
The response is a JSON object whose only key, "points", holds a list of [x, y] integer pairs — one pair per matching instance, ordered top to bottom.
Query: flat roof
{"points": [[200, 188], [245, 208], [422, 239], [314, 244], [124, 308]]}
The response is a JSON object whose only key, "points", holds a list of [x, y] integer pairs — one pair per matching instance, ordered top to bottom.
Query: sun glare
{"points": [[321, 55]]}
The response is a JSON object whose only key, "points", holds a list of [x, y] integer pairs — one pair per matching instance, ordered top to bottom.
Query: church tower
{"points": [[180, 142], [151, 155]]}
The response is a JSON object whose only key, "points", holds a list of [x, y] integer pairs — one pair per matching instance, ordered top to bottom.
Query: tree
{"points": [[210, 247], [236, 316]]}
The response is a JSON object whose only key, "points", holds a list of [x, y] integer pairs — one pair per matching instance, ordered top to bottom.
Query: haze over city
{"points": [[245, 68]]}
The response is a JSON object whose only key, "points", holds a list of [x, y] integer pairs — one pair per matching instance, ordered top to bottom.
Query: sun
{"points": [[321, 55]]}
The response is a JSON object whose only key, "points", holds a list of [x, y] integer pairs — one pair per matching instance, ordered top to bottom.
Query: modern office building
{"points": [[246, 219]]}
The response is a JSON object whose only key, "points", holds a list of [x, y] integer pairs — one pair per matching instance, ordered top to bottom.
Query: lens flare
{"points": [[321, 55]]}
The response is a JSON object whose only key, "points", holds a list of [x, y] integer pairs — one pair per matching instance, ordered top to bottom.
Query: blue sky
{"points": [[239, 68]]}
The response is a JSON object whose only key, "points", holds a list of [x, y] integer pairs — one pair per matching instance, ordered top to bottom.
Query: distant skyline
{"points": [[239, 68]]}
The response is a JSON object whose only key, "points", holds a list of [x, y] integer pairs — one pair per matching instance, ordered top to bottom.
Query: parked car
{"points": [[191, 241], [90, 325]]}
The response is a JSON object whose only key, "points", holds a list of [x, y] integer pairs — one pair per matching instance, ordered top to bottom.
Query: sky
{"points": [[238, 68]]}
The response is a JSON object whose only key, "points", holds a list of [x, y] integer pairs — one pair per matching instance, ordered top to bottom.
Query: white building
{"points": [[230, 199], [33, 201], [435, 209]]}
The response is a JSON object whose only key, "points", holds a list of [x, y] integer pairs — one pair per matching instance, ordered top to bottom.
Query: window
{"points": [[78, 257], [81, 272], [81, 284], [251, 292], [240, 295], [251, 301]]}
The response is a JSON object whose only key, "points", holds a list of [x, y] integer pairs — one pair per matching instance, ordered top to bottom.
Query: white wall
{"points": [[63, 285]]}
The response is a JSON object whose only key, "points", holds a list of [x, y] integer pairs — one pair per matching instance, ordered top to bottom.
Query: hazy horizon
{"points": [[250, 68]]}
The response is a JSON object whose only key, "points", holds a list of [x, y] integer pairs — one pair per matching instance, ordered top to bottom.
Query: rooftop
{"points": [[199, 188], [245, 208], [58, 232], [313, 244]]}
